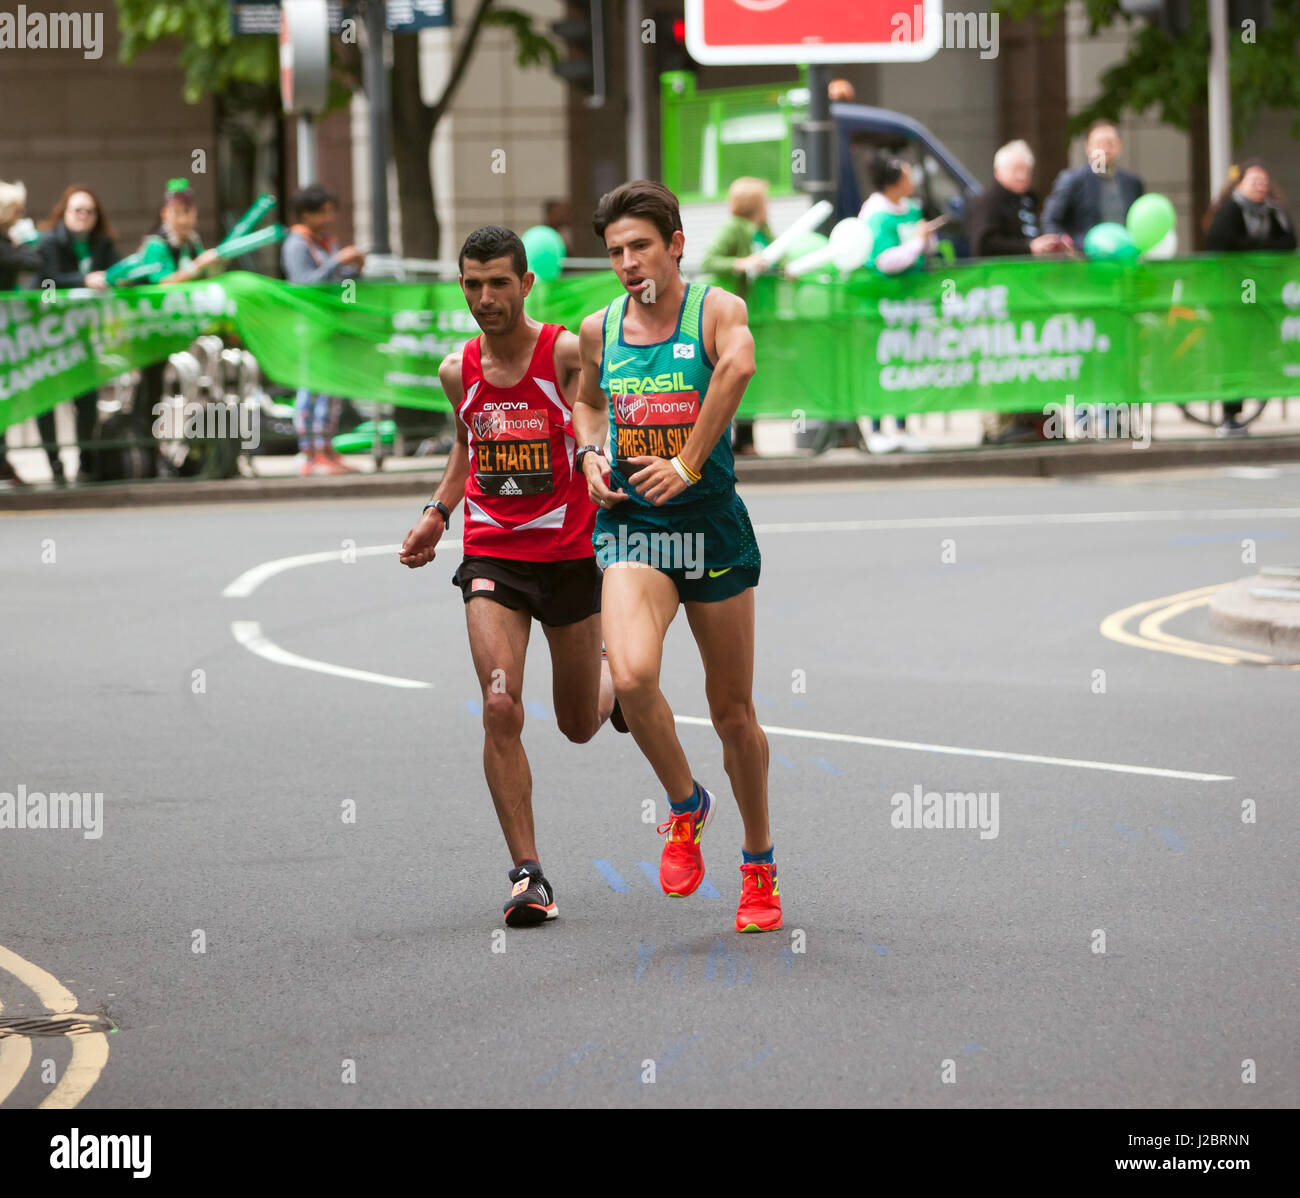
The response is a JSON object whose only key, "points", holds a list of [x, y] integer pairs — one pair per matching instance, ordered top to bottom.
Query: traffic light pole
{"points": [[1220, 98], [820, 130], [637, 158]]}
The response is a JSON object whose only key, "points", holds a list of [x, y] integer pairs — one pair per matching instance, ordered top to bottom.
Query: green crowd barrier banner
{"points": [[1009, 334]]}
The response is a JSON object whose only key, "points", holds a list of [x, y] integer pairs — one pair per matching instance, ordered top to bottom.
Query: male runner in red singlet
{"points": [[527, 544]]}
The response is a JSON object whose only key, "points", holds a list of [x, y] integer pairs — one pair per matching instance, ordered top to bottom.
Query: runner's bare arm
{"points": [[729, 344], [568, 365], [591, 412], [421, 543]]}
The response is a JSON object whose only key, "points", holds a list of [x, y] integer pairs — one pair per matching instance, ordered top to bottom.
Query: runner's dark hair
{"points": [[643, 198], [494, 241]]}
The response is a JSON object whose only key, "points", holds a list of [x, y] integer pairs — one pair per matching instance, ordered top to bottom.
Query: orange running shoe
{"points": [[681, 868], [760, 899]]}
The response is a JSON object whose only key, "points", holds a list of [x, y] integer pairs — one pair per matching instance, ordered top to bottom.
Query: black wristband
{"points": [[577, 458], [443, 509]]}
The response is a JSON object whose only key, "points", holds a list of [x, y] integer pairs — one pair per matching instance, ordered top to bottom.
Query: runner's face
{"points": [[640, 258], [495, 294]]}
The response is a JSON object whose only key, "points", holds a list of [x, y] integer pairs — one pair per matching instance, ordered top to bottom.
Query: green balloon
{"points": [[1150, 220], [1110, 242], [805, 243], [546, 250], [812, 300]]}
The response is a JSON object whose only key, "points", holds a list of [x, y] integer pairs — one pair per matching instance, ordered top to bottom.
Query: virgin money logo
{"points": [[631, 409], [488, 425]]}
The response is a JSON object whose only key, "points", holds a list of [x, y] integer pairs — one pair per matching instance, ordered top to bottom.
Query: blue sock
{"points": [[690, 803], [757, 858]]}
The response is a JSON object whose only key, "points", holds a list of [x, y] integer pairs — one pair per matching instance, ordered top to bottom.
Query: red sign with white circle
{"points": [[803, 31]]}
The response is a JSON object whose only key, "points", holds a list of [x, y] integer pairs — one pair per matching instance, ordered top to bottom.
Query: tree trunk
{"points": [[413, 125], [1202, 188]]}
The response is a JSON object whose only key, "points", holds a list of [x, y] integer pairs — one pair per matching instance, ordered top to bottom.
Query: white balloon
{"points": [[851, 241], [848, 247], [1166, 247]]}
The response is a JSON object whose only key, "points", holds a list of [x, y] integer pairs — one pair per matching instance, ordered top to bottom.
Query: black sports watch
{"points": [[577, 458], [443, 508]]}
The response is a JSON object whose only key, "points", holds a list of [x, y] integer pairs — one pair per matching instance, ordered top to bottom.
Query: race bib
{"points": [[654, 424], [512, 452]]}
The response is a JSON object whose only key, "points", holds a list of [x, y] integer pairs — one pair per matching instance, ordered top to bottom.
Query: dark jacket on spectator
{"points": [[1075, 205], [1002, 222], [1228, 230], [59, 258], [14, 259]]}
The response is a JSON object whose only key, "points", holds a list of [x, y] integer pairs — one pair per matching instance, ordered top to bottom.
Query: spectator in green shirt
{"points": [[734, 253]]}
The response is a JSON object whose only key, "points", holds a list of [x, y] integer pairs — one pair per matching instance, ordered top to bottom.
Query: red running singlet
{"points": [[523, 499]]}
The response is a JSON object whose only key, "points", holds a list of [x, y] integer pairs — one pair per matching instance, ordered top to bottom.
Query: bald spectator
{"points": [[1094, 193]]}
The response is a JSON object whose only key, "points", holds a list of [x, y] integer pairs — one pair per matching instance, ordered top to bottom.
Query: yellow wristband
{"points": [[691, 475]]}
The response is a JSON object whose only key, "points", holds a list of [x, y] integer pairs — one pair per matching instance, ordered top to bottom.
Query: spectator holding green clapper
{"points": [[174, 247], [176, 253]]}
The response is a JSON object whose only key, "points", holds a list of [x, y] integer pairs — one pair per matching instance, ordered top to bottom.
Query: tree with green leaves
{"points": [[216, 63], [1169, 73]]}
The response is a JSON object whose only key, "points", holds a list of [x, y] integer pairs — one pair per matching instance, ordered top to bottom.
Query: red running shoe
{"points": [[681, 868], [760, 899]]}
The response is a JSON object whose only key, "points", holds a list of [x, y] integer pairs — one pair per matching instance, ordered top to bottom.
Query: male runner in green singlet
{"points": [[667, 364]]}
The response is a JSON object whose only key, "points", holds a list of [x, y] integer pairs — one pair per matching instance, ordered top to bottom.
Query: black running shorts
{"points": [[556, 593]]}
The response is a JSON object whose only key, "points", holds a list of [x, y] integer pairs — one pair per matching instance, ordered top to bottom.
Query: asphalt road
{"points": [[917, 966]]}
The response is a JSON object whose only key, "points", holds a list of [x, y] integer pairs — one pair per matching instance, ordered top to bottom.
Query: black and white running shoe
{"points": [[532, 901]]}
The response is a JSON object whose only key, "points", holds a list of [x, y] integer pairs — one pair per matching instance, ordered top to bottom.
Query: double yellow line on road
{"points": [[1150, 633], [89, 1049]]}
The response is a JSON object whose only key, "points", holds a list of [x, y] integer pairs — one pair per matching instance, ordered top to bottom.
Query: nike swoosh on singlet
{"points": [[624, 362], [719, 573]]}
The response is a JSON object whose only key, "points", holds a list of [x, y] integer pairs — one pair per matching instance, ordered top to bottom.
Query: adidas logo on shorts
{"points": [[510, 487]]}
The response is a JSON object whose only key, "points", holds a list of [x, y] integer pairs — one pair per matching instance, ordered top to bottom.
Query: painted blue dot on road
{"points": [[474, 706], [537, 711], [780, 759], [826, 767], [1171, 839], [611, 875]]}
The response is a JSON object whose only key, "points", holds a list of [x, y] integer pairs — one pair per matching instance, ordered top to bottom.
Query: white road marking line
{"points": [[1031, 518], [251, 579], [249, 634], [922, 747], [89, 1050]]}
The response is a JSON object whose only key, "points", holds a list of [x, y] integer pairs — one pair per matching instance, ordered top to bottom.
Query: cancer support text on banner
{"points": [[1009, 335]]}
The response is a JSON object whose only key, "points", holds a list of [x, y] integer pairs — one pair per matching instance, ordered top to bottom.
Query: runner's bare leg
{"points": [[638, 604], [724, 632], [498, 642], [581, 687]]}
